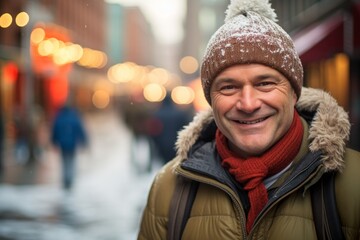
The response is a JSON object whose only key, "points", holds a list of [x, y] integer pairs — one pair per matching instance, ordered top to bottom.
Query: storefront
{"points": [[330, 52]]}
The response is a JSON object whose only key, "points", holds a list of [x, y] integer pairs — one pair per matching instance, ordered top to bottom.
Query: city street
{"points": [[279, 82], [105, 203]]}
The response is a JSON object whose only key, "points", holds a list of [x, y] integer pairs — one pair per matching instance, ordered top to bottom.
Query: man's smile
{"points": [[248, 122]]}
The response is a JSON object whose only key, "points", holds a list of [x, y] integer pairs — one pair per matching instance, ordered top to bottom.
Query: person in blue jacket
{"points": [[170, 119], [68, 133]]}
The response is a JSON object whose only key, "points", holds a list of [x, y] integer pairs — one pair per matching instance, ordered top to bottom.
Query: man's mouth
{"points": [[251, 122]]}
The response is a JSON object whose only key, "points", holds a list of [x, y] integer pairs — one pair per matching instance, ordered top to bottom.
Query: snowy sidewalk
{"points": [[105, 204]]}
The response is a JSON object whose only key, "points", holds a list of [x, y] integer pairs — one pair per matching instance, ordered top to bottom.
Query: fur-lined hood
{"points": [[329, 130]]}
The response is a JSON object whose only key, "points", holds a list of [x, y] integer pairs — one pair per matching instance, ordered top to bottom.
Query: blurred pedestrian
{"points": [[137, 114], [167, 120], [68, 133], [22, 134], [40, 136]]}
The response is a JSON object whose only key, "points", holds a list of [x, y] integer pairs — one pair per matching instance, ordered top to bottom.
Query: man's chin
{"points": [[250, 149]]}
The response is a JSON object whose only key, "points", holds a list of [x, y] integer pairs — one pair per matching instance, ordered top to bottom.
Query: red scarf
{"points": [[252, 171]]}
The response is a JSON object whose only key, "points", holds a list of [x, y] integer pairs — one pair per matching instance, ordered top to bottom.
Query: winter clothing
{"points": [[250, 35], [169, 119], [68, 133], [252, 171], [223, 202], [219, 209]]}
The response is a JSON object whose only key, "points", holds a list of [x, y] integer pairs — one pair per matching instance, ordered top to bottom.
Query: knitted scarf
{"points": [[251, 172]]}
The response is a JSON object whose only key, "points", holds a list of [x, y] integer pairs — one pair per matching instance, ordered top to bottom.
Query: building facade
{"points": [[35, 82]]}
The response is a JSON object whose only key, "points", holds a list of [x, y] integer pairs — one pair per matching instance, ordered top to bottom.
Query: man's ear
{"points": [[295, 97]]}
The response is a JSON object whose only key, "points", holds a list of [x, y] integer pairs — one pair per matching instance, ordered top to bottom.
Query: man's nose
{"points": [[248, 100]]}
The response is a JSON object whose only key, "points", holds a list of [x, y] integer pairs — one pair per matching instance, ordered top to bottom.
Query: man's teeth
{"points": [[252, 122]]}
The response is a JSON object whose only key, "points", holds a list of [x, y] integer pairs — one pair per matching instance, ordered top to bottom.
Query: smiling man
{"points": [[253, 107], [256, 157]]}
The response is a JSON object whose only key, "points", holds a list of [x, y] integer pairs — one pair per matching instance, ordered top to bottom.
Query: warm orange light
{"points": [[22, 19], [5, 20], [37, 35], [45, 41], [75, 52], [92, 58], [189, 65], [10, 72], [123, 72], [158, 75], [58, 90], [154, 92], [182, 95], [101, 99], [200, 102]]}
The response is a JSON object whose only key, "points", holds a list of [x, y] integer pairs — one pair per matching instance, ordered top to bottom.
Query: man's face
{"points": [[253, 107]]}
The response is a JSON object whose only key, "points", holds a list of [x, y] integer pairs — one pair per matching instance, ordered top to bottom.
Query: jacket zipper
{"points": [[279, 198], [238, 205]]}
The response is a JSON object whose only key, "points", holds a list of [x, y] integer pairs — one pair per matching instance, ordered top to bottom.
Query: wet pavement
{"points": [[105, 203]]}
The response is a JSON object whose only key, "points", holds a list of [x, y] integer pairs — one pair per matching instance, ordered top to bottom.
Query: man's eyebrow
{"points": [[267, 76], [257, 77], [224, 79]]}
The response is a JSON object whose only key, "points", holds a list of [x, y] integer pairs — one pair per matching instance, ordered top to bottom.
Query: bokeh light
{"points": [[22, 19], [5, 20], [37, 35], [92, 58], [189, 65], [158, 75], [154, 92], [182, 95], [101, 99], [200, 102]]}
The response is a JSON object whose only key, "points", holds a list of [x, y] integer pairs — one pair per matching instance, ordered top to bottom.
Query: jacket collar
{"points": [[328, 132]]}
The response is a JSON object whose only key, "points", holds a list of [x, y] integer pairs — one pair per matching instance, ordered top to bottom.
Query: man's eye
{"points": [[265, 83], [228, 89]]}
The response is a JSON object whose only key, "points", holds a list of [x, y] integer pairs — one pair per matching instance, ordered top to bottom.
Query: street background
{"points": [[118, 62], [106, 202]]}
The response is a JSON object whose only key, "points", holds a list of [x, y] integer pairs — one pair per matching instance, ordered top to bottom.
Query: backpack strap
{"points": [[180, 207], [325, 213]]}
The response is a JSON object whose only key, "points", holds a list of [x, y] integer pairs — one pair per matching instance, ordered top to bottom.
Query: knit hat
{"points": [[250, 35]]}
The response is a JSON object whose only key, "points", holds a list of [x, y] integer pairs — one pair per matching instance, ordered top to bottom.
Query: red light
{"points": [[10, 72]]}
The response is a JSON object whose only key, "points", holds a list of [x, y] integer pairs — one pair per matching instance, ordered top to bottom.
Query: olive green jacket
{"points": [[218, 210]]}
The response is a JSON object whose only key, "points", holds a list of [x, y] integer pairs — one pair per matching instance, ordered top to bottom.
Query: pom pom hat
{"points": [[250, 35]]}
